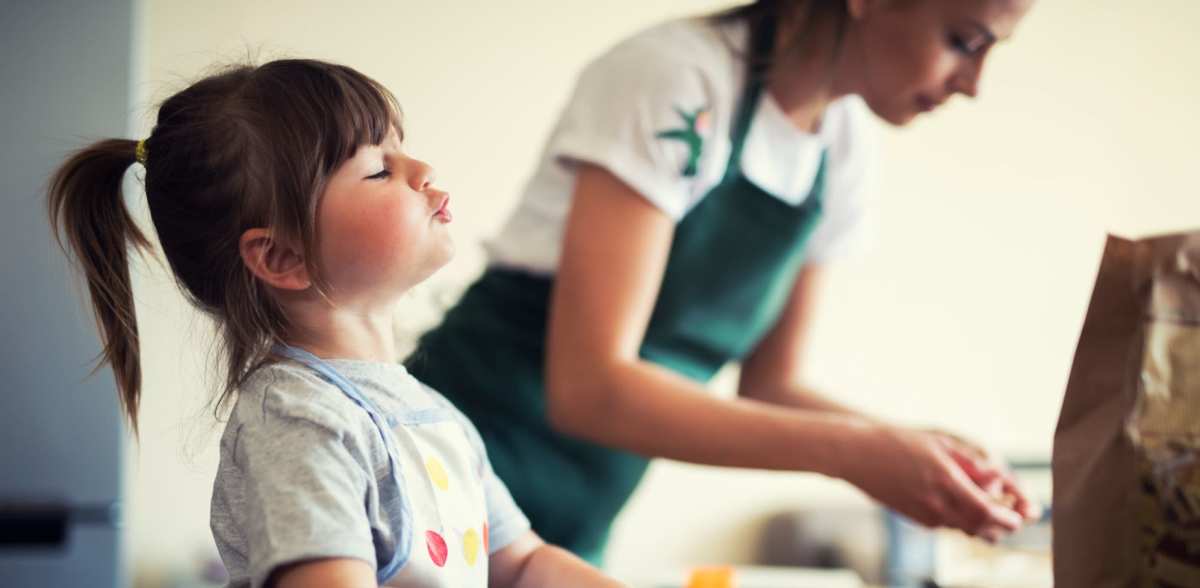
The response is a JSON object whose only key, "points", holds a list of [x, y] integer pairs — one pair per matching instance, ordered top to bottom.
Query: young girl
{"points": [[289, 211]]}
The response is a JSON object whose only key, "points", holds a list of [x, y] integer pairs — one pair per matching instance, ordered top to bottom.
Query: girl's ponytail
{"points": [[92, 224]]}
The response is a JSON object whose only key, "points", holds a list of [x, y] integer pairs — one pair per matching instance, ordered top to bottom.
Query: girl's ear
{"points": [[277, 263]]}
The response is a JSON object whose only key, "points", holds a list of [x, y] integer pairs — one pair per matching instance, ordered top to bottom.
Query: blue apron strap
{"points": [[331, 375], [386, 570]]}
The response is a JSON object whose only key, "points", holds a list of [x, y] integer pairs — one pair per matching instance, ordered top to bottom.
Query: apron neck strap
{"points": [[762, 42], [331, 375]]}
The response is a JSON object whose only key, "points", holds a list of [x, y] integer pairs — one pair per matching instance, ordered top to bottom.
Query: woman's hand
{"points": [[990, 473], [921, 475]]}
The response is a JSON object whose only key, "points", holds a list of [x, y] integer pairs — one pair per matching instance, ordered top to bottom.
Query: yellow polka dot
{"points": [[437, 473], [470, 546]]}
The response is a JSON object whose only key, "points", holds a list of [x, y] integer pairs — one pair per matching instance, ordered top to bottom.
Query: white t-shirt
{"points": [[638, 89]]}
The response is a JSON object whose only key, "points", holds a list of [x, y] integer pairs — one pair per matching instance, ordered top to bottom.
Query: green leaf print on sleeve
{"points": [[694, 124]]}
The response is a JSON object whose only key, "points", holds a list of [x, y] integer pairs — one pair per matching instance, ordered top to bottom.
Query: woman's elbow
{"points": [[577, 400]]}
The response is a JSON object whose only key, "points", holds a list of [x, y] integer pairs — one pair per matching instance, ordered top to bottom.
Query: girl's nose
{"points": [[422, 175]]}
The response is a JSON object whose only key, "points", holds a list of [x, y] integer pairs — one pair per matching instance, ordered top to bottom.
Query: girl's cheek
{"points": [[396, 222], [389, 235]]}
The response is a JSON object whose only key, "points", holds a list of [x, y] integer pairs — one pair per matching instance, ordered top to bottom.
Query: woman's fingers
{"points": [[977, 463], [993, 477], [945, 483], [999, 483], [1021, 503], [975, 510], [992, 534]]}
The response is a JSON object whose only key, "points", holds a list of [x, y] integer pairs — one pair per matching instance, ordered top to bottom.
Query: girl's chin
{"points": [[443, 258]]}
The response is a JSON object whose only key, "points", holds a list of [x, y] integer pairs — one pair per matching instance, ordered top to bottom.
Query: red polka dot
{"points": [[485, 538], [437, 548]]}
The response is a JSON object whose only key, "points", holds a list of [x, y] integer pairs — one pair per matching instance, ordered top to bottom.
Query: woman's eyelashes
{"points": [[966, 46]]}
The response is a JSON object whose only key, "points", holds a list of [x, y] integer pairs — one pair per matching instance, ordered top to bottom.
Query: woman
{"points": [[702, 175]]}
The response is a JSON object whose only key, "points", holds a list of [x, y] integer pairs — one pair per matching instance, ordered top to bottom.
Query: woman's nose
{"points": [[966, 79]]}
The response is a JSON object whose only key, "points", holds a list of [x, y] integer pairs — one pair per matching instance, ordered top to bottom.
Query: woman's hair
{"points": [[764, 17], [246, 147]]}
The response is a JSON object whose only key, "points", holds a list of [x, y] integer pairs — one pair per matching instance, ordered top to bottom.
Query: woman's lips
{"points": [[927, 104]]}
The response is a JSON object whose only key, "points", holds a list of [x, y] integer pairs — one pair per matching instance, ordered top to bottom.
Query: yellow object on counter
{"points": [[714, 577]]}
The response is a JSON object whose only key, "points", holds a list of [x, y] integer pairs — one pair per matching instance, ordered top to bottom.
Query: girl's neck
{"points": [[810, 69], [342, 332]]}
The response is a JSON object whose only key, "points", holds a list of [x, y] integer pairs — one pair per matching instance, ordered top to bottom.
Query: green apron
{"points": [[733, 261]]}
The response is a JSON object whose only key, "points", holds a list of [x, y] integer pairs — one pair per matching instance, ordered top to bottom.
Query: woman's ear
{"points": [[857, 9], [277, 263]]}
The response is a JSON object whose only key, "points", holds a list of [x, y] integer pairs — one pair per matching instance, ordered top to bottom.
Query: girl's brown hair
{"points": [[247, 147]]}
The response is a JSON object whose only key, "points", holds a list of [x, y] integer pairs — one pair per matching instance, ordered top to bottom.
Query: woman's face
{"points": [[913, 55]]}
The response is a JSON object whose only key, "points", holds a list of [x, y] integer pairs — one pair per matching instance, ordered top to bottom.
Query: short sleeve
{"points": [[645, 114], [852, 178], [305, 487], [506, 522]]}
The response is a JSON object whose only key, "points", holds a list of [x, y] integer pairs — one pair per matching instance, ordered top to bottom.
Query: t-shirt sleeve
{"points": [[644, 114], [305, 486], [506, 522]]}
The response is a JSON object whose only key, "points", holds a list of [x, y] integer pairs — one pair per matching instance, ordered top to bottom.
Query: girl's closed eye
{"points": [[380, 175]]}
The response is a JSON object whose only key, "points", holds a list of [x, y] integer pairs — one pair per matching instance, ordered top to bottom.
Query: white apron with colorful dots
{"points": [[439, 475], [442, 481]]}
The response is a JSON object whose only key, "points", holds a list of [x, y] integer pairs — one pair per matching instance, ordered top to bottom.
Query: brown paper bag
{"points": [[1126, 461]]}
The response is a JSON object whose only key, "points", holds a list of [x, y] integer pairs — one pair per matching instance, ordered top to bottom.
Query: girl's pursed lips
{"points": [[443, 210]]}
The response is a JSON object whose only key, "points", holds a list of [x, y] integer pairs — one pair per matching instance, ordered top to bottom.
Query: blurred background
{"points": [[962, 311]]}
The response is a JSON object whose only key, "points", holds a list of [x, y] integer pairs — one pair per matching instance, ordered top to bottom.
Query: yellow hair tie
{"points": [[140, 152]]}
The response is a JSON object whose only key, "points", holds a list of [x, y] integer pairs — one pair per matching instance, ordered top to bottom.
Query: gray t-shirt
{"points": [[304, 472]]}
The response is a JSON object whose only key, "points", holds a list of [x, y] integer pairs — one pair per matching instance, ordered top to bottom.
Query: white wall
{"points": [[964, 314]]}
